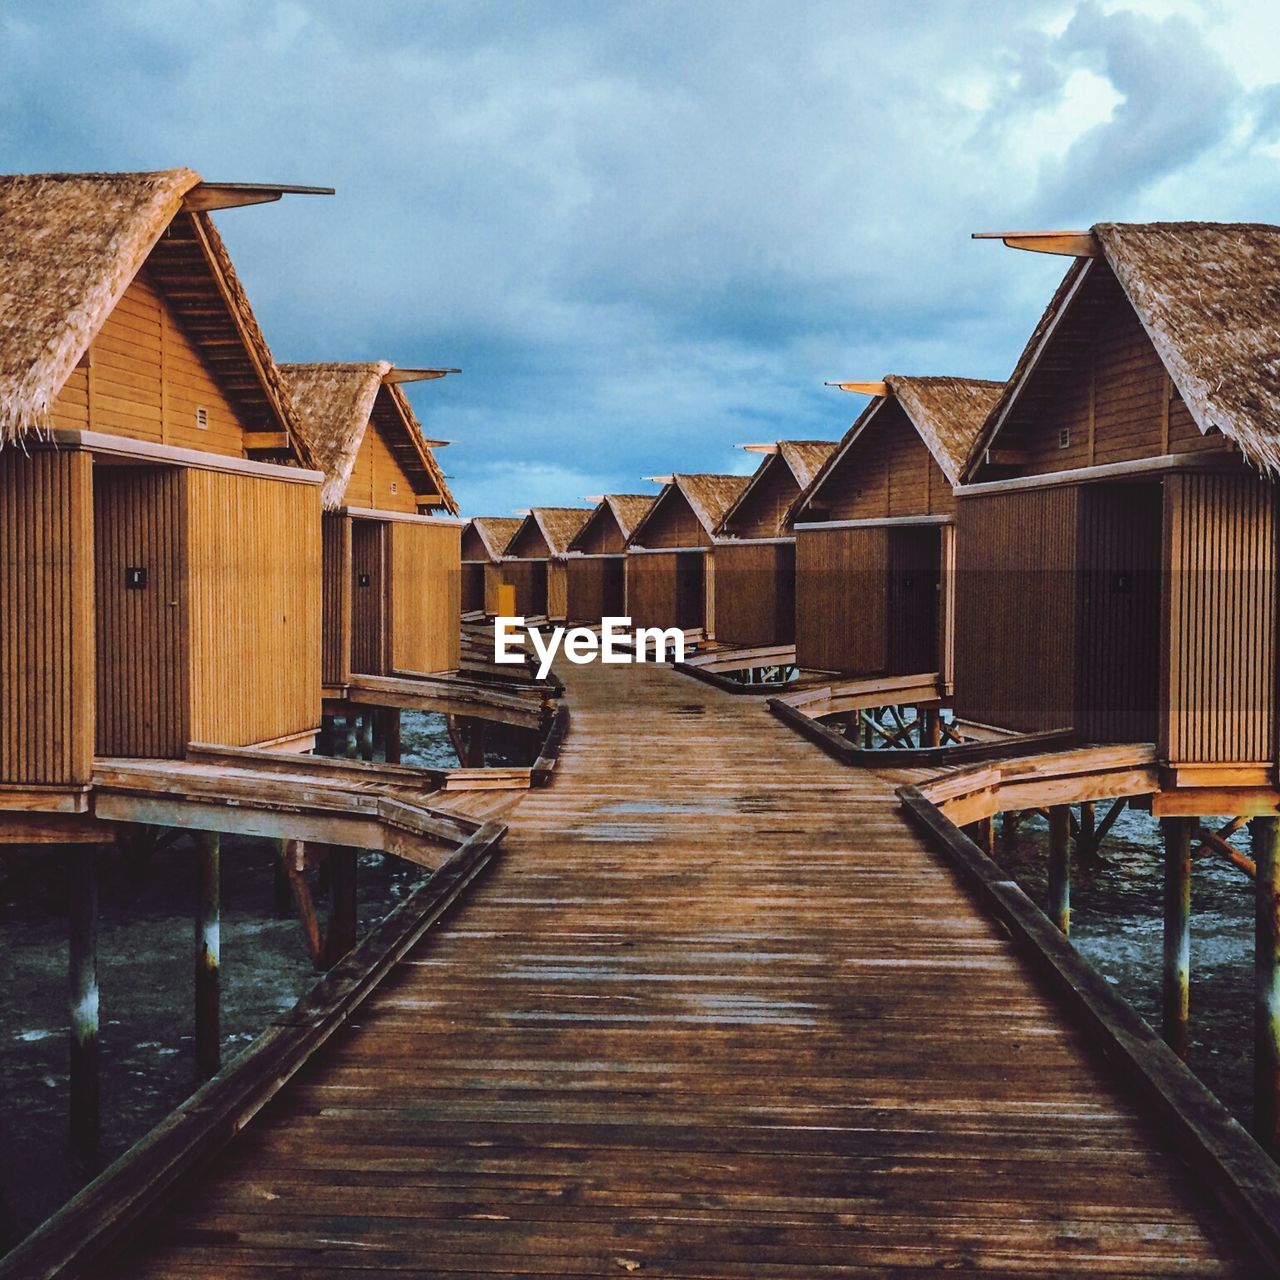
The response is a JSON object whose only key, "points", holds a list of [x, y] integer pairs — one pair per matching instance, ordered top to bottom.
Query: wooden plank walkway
{"points": [[716, 1011]]}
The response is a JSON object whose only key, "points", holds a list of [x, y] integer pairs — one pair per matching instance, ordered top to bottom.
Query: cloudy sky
{"points": [[649, 230]]}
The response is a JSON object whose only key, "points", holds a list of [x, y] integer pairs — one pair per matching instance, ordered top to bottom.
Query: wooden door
{"points": [[914, 563], [141, 611], [370, 614]]}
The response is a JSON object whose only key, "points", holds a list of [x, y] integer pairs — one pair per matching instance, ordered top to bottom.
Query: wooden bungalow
{"points": [[159, 523], [874, 530], [1117, 533], [484, 538], [756, 551], [670, 555], [533, 562], [595, 568], [392, 569]]}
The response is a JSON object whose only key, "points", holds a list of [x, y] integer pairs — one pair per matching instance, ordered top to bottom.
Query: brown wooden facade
{"points": [[874, 535], [483, 540], [755, 555], [1117, 558], [534, 564], [595, 566], [670, 566], [392, 572], [157, 583]]}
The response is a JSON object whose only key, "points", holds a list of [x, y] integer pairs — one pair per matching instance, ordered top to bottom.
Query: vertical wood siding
{"points": [[146, 380], [377, 479], [762, 513], [672, 523], [254, 558], [913, 567], [528, 577], [594, 587], [472, 588], [667, 589], [557, 590], [755, 592], [425, 600], [842, 600], [1118, 602], [46, 617], [336, 631], [1015, 633], [370, 636], [142, 697], [1220, 707]]}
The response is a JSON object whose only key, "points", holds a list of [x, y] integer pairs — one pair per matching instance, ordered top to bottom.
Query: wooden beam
{"points": [[206, 196], [1071, 244], [417, 375], [861, 388], [268, 441], [758, 448], [1008, 457], [208, 953]]}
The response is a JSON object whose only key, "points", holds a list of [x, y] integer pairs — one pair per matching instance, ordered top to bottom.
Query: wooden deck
{"points": [[716, 1011]]}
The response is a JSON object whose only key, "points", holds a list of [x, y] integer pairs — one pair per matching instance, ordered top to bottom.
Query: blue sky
{"points": [[648, 231]]}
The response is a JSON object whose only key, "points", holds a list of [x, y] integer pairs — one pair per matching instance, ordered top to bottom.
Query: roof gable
{"points": [[703, 500], [762, 509], [610, 523], [547, 531], [493, 534]]}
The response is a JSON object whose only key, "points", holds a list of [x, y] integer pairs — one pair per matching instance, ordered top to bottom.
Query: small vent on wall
{"points": [[202, 419], [1064, 438], [395, 486]]}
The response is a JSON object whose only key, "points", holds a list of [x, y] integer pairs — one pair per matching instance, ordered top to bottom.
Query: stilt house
{"points": [[159, 523], [874, 531], [1117, 537], [484, 538], [756, 550], [670, 556], [534, 560], [595, 568], [392, 570]]}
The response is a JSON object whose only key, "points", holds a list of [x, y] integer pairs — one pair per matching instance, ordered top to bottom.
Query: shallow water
{"points": [[1117, 924], [145, 971]]}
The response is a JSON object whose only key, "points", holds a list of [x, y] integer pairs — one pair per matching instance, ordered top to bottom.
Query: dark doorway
{"points": [[914, 572], [691, 590], [1118, 611], [369, 612]]}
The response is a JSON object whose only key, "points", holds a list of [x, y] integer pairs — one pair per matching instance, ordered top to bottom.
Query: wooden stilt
{"points": [[930, 729], [365, 732], [392, 735], [982, 832], [1264, 834], [1085, 841], [281, 893], [1059, 905], [1177, 932], [340, 936], [208, 951], [83, 975]]}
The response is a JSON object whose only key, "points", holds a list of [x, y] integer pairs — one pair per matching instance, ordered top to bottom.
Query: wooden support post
{"points": [[930, 729], [365, 732], [392, 735], [324, 740], [982, 832], [1263, 834], [1086, 840], [281, 892], [1059, 906], [1177, 932], [340, 936], [82, 937], [208, 951]]}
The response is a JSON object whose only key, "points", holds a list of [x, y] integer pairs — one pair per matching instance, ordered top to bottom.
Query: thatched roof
{"points": [[70, 245], [1208, 296], [336, 403], [948, 414], [805, 457], [803, 460], [709, 498], [629, 509], [557, 525], [495, 532]]}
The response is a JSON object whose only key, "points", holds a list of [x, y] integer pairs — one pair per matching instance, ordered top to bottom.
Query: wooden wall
{"points": [[146, 379], [1104, 385], [888, 472], [377, 479], [764, 508], [140, 522], [672, 523], [601, 535], [254, 566], [528, 577], [755, 585], [595, 587], [666, 589], [472, 590], [557, 590], [425, 596], [842, 599], [914, 612], [46, 617], [1221, 620], [336, 629], [1015, 632], [370, 635]]}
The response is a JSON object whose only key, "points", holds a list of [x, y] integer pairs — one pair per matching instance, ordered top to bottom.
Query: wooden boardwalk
{"points": [[716, 1011]]}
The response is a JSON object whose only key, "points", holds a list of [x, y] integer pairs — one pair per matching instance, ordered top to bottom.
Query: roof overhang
{"points": [[204, 197], [1070, 244]]}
